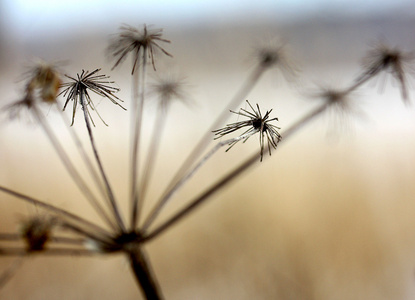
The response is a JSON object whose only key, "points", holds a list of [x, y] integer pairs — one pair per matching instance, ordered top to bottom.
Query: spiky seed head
{"points": [[131, 39], [397, 63], [169, 87], [76, 90], [256, 123], [36, 232]]}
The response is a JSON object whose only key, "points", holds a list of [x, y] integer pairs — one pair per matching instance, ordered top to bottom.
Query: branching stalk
{"points": [[71, 169], [230, 177]]}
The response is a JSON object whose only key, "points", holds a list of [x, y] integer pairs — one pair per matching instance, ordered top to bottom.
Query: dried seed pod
{"points": [[36, 232]]}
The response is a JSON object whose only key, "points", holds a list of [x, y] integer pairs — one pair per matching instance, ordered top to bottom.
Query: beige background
{"points": [[329, 216]]}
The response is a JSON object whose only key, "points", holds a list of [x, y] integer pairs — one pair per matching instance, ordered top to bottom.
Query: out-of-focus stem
{"points": [[246, 87], [138, 114], [70, 167], [232, 175], [159, 206], [144, 275]]}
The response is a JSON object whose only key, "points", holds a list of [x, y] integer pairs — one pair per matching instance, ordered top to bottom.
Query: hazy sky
{"points": [[26, 16]]}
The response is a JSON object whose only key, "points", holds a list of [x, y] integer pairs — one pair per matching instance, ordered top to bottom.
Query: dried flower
{"points": [[133, 39], [274, 54], [391, 60], [45, 78], [43, 81], [169, 87], [77, 91], [340, 107], [256, 123], [36, 232]]}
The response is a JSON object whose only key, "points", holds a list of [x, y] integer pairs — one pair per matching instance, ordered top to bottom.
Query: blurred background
{"points": [[330, 215]]}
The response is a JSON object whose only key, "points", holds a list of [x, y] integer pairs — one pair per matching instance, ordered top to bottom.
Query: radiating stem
{"points": [[246, 87], [158, 128], [136, 140], [83, 154], [71, 168], [232, 175], [110, 194], [159, 206], [56, 210], [9, 251], [9, 272]]}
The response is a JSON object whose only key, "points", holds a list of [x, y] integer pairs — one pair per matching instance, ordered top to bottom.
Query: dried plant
{"points": [[256, 123], [126, 234]]}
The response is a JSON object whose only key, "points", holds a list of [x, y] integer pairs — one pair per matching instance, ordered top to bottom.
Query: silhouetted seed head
{"points": [[132, 39], [274, 54], [392, 61], [42, 85], [169, 87], [77, 89], [341, 109], [255, 123], [36, 232]]}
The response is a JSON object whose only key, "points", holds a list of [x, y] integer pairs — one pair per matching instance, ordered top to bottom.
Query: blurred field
{"points": [[330, 215]]}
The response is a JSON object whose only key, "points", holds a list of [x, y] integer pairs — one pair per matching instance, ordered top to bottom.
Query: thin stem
{"points": [[364, 78], [247, 86], [158, 128], [136, 141], [83, 154], [70, 167], [231, 176], [110, 194], [159, 206], [55, 210], [16, 237], [16, 251], [8, 274], [144, 275]]}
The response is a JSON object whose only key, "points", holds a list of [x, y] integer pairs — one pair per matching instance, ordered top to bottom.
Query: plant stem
{"points": [[246, 87], [138, 114], [158, 128], [82, 153], [71, 168], [231, 176], [110, 194], [159, 206], [53, 209], [144, 275]]}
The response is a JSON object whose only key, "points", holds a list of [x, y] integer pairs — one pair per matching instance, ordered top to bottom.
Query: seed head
{"points": [[132, 39], [274, 54], [390, 60], [43, 81], [169, 87], [76, 90], [255, 123], [36, 232]]}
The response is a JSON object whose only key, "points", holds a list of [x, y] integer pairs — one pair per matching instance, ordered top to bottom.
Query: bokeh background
{"points": [[329, 216]]}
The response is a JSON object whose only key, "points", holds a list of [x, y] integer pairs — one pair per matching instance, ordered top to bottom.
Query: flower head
{"points": [[133, 39], [274, 54], [390, 60], [45, 78], [43, 81], [169, 87], [77, 91], [340, 107], [255, 123], [36, 232]]}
